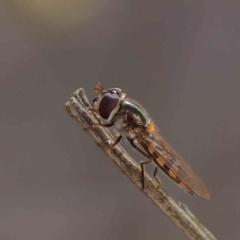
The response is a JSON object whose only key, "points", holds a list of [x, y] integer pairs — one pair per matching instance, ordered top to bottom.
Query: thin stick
{"points": [[79, 107]]}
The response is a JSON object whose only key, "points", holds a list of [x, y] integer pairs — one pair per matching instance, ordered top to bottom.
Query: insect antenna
{"points": [[98, 87]]}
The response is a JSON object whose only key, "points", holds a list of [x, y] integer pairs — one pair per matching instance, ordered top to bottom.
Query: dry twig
{"points": [[78, 107]]}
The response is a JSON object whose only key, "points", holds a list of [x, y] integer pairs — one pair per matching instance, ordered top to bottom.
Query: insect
{"points": [[132, 121]]}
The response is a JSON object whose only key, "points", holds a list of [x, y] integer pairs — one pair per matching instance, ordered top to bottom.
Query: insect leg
{"points": [[100, 124], [131, 140], [116, 141], [145, 152], [149, 155], [143, 170], [156, 177]]}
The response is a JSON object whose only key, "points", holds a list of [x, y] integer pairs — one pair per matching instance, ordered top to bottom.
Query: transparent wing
{"points": [[153, 145]]}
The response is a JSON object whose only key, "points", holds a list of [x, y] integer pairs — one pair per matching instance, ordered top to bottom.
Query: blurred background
{"points": [[179, 59]]}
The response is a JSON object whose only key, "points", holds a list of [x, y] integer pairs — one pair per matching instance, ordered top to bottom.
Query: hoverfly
{"points": [[132, 121]]}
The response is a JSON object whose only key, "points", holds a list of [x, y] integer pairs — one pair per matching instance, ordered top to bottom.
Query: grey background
{"points": [[180, 59]]}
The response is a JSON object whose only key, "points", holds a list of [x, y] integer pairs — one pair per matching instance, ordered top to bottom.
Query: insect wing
{"points": [[163, 154]]}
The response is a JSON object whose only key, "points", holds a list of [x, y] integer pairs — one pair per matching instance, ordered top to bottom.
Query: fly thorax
{"points": [[136, 111], [119, 121]]}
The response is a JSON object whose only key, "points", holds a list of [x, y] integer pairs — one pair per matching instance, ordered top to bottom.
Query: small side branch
{"points": [[79, 107]]}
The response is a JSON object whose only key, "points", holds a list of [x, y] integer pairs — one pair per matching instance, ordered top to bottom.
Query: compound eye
{"points": [[108, 104]]}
